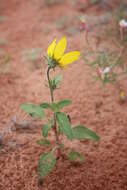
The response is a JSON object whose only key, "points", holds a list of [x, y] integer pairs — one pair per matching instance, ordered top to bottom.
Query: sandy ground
{"points": [[31, 24]]}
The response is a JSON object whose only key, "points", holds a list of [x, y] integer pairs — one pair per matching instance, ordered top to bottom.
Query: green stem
{"points": [[50, 85], [52, 100]]}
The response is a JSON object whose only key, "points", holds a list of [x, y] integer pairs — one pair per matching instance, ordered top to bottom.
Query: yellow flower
{"points": [[56, 53]]}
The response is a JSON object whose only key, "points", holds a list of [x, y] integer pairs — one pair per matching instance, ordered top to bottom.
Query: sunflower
{"points": [[57, 56]]}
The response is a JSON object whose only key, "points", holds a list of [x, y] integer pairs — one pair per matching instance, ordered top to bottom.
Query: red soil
{"points": [[105, 166]]}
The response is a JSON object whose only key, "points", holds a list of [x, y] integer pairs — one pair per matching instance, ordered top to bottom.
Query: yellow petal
{"points": [[51, 48], [60, 48], [68, 58]]}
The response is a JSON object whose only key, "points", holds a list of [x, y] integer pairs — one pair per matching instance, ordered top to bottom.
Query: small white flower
{"points": [[123, 23], [106, 70], [101, 73]]}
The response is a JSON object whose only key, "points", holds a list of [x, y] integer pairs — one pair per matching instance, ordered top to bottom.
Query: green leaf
{"points": [[57, 79], [63, 103], [45, 105], [33, 110], [64, 124], [46, 129], [81, 133], [43, 142], [75, 156], [46, 164]]}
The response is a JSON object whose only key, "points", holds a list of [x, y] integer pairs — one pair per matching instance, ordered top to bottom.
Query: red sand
{"points": [[105, 166]]}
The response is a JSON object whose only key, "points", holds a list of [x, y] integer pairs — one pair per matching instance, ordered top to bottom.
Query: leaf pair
{"points": [[56, 107], [37, 111], [48, 160]]}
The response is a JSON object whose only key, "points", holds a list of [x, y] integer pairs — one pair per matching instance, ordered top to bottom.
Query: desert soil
{"points": [[32, 24]]}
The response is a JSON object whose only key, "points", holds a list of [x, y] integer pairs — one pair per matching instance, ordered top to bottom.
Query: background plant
{"points": [[109, 67], [59, 122]]}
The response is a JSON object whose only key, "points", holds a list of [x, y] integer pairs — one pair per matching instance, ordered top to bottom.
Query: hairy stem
{"points": [[50, 86], [52, 100]]}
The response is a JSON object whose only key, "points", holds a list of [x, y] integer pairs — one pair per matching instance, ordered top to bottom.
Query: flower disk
{"points": [[56, 53]]}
